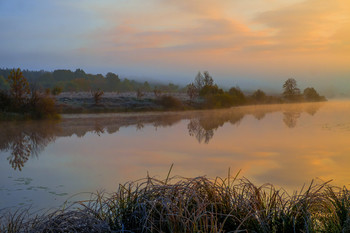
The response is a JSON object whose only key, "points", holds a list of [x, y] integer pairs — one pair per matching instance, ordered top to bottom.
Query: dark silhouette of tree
{"points": [[79, 73], [207, 80], [112, 82], [290, 89], [310, 94], [237, 95], [259, 96]]}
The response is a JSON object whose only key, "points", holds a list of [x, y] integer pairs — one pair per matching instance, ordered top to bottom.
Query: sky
{"points": [[252, 44]]}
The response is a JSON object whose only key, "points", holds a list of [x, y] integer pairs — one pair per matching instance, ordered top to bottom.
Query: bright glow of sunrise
{"points": [[239, 42]]}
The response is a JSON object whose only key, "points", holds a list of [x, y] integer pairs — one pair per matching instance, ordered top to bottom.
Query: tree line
{"points": [[79, 80], [205, 91]]}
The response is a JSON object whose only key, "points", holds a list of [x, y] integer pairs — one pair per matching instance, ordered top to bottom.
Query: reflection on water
{"points": [[25, 140], [287, 145]]}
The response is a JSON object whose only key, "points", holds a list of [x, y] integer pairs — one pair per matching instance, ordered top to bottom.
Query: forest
{"points": [[78, 80]]}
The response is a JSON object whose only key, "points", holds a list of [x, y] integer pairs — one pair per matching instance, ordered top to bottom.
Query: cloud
{"points": [[310, 26]]}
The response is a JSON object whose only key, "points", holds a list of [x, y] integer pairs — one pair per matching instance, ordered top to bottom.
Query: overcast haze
{"points": [[255, 43]]}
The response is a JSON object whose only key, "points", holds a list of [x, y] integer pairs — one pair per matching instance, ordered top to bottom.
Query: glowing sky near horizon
{"points": [[258, 40]]}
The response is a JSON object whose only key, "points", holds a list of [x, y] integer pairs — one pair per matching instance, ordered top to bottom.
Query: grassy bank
{"points": [[197, 205]]}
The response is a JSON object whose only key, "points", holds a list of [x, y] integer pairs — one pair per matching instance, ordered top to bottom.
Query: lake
{"points": [[44, 163]]}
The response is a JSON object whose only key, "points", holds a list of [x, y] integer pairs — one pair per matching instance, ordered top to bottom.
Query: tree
{"points": [[79, 73], [207, 80], [113, 81], [199, 81], [19, 86], [192, 91], [291, 91], [97, 94], [310, 94], [237, 95], [259, 96]]}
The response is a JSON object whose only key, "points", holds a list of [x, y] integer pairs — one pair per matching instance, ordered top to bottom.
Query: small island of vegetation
{"points": [[39, 94]]}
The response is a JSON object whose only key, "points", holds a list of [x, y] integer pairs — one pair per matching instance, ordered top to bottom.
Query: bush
{"points": [[56, 90], [210, 90], [310, 94], [237, 95], [97, 96], [259, 96], [219, 101], [169, 102], [44, 108]]}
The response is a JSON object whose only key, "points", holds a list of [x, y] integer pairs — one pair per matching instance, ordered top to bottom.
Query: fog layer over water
{"points": [[44, 163]]}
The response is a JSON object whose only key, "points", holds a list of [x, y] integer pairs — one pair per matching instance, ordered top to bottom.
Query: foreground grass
{"points": [[197, 205]]}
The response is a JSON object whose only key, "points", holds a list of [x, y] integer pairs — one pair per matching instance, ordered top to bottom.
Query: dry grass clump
{"points": [[198, 205]]}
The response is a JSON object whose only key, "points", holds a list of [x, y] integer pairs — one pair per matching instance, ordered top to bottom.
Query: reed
{"points": [[197, 204]]}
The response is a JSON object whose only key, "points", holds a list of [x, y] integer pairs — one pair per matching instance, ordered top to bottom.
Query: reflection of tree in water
{"points": [[313, 108], [293, 113], [291, 118], [139, 126], [203, 127], [98, 129], [195, 129], [25, 140]]}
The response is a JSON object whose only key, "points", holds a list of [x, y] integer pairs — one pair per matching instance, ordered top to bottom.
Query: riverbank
{"points": [[83, 102], [198, 204]]}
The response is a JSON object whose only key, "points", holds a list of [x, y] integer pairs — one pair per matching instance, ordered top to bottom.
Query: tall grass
{"points": [[198, 204]]}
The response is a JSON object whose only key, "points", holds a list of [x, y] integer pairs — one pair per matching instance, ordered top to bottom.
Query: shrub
{"points": [[56, 90], [210, 90], [310, 94], [97, 95], [237, 95], [259, 96], [219, 100], [169, 102]]}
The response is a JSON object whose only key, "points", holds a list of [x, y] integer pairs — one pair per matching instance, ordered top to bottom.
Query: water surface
{"points": [[44, 163]]}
